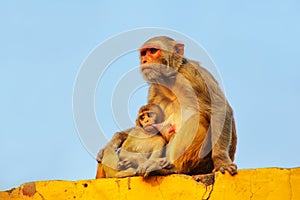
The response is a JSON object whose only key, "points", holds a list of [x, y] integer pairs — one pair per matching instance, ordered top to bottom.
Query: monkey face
{"points": [[150, 54], [157, 61], [147, 118], [150, 118]]}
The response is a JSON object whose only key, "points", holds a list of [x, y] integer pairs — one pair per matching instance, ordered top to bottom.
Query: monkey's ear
{"points": [[179, 48], [137, 122]]}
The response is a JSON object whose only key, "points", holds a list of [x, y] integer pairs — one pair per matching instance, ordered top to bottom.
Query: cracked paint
{"points": [[254, 184], [208, 190]]}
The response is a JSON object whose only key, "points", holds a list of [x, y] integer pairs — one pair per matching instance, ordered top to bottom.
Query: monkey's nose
{"points": [[144, 61]]}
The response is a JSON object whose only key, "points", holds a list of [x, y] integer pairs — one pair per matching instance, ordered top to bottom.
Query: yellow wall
{"points": [[269, 183]]}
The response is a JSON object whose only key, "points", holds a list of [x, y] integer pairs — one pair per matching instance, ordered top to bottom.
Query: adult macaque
{"points": [[205, 137], [143, 144]]}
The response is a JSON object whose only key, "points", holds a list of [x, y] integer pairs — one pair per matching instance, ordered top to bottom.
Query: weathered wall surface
{"points": [[254, 184]]}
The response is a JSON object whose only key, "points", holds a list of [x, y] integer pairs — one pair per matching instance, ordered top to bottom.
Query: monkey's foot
{"points": [[165, 163], [149, 166], [160, 166], [146, 168], [231, 168]]}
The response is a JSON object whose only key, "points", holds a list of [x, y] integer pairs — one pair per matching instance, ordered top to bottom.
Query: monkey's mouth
{"points": [[146, 67], [157, 127]]}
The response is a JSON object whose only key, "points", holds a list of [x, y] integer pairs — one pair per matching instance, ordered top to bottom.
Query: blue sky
{"points": [[254, 44]]}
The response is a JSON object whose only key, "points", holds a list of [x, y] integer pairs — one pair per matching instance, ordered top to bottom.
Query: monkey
{"points": [[205, 138], [143, 143]]}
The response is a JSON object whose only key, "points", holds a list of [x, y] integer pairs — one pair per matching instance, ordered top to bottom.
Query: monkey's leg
{"points": [[183, 139], [221, 141], [233, 141], [116, 142], [183, 151], [109, 165], [100, 171]]}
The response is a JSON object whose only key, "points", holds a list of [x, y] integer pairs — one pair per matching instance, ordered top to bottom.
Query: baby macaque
{"points": [[142, 144]]}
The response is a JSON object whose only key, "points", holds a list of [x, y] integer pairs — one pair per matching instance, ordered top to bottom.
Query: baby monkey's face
{"points": [[147, 118], [150, 118]]}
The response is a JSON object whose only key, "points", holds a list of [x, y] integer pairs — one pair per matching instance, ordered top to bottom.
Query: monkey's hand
{"points": [[100, 155], [125, 164], [153, 165], [230, 167]]}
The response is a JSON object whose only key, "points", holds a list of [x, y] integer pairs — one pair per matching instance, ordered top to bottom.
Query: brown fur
{"points": [[205, 139], [142, 144]]}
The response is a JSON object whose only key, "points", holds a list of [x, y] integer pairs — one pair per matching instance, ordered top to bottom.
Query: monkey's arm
{"points": [[116, 142], [158, 148], [131, 159]]}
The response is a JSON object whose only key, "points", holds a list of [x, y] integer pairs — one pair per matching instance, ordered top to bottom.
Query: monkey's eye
{"points": [[153, 50], [143, 52], [150, 114], [142, 117]]}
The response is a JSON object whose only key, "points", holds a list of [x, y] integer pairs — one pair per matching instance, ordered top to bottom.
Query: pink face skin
{"points": [[149, 55], [148, 122]]}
